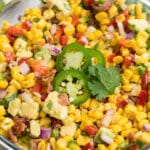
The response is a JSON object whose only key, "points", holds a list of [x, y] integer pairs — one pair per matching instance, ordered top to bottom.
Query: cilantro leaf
{"points": [[102, 81]]}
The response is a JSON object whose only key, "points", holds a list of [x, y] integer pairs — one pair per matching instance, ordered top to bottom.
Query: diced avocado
{"points": [[138, 24], [2, 76], [103, 130], [55, 133], [72, 145], [124, 145]]}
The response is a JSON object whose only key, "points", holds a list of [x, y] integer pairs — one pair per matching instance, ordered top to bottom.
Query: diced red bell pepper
{"points": [[88, 2], [75, 20], [27, 25], [15, 31], [63, 40], [9, 55], [110, 57], [21, 60], [129, 60], [144, 81], [37, 88], [142, 98], [121, 103], [91, 129], [89, 146], [133, 147]]}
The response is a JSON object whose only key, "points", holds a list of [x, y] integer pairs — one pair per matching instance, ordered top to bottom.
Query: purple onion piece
{"points": [[129, 35], [54, 51], [3, 93], [146, 127], [45, 133]]}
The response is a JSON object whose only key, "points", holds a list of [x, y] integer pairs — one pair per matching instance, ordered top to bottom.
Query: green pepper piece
{"points": [[73, 56], [96, 57], [2, 76], [74, 83], [6, 101], [55, 133], [26, 139], [72, 145]]}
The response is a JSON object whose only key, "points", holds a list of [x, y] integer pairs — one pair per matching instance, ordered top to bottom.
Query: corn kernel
{"points": [[138, 10], [113, 11], [48, 14], [101, 15], [120, 18], [69, 30], [125, 51], [2, 57], [117, 59], [51, 64], [128, 74], [3, 83], [15, 83], [28, 83], [127, 88], [112, 99], [85, 104], [94, 104], [2, 111], [96, 114], [140, 116], [122, 121], [45, 122], [142, 122], [7, 124], [116, 128], [77, 133], [83, 140], [53, 142], [61, 143], [42, 145], [113, 146], [101, 147]]}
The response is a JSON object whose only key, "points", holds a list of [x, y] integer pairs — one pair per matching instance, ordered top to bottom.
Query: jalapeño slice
{"points": [[73, 56], [96, 57], [74, 83]]}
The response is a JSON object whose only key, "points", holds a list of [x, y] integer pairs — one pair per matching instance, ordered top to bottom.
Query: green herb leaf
{"points": [[43, 1], [2, 5], [102, 82]]}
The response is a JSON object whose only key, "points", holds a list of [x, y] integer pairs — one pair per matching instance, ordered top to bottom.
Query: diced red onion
{"points": [[111, 28], [121, 28], [53, 29], [129, 35], [84, 39], [54, 50], [13, 63], [24, 68], [135, 90], [3, 93], [107, 118], [146, 127], [45, 133], [106, 139]]}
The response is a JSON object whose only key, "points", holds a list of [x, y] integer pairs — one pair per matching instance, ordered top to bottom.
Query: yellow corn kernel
{"points": [[120, 2], [77, 10], [138, 10], [113, 11], [48, 14], [101, 15], [120, 18], [105, 21], [5, 26], [104, 27], [69, 30], [97, 33], [91, 36], [125, 51], [2, 57], [118, 59], [51, 64], [128, 74], [29, 76], [135, 78], [125, 81], [3, 83], [15, 83], [28, 83], [127, 88], [112, 99], [86, 104], [94, 104], [109, 106], [71, 108], [2, 111], [130, 111], [42, 114], [96, 114], [140, 116], [122, 121], [45, 122], [142, 122], [7, 123], [85, 123], [127, 126], [116, 128], [3, 133], [77, 133], [125, 133], [144, 137], [68, 138], [119, 139], [82, 140], [53, 142], [61, 143], [42, 145], [113, 146], [101, 147]]}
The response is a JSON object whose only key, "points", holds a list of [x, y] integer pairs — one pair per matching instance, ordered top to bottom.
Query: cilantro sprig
{"points": [[102, 81]]}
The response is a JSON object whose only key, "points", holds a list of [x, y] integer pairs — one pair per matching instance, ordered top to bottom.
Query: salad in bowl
{"points": [[75, 75]]}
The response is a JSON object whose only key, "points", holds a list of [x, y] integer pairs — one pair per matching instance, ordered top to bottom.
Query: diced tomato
{"points": [[88, 2], [75, 20], [113, 23], [27, 25], [15, 31], [58, 34], [11, 38], [63, 40], [81, 42], [122, 42], [9, 55], [110, 57], [21, 60], [129, 60], [39, 67], [144, 81], [37, 88], [142, 98], [63, 99], [121, 103], [91, 129], [89, 146], [134, 147]]}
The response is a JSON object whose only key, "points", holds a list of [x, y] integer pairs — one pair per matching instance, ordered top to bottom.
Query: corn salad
{"points": [[37, 114]]}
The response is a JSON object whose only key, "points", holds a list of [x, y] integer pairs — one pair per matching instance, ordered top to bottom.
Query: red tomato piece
{"points": [[88, 2], [75, 20], [27, 25], [15, 31], [58, 34], [11, 38], [63, 40], [9, 55], [110, 57], [26, 60], [129, 60], [39, 67], [144, 81], [37, 88], [142, 98], [121, 103], [91, 129], [89, 146], [134, 147]]}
